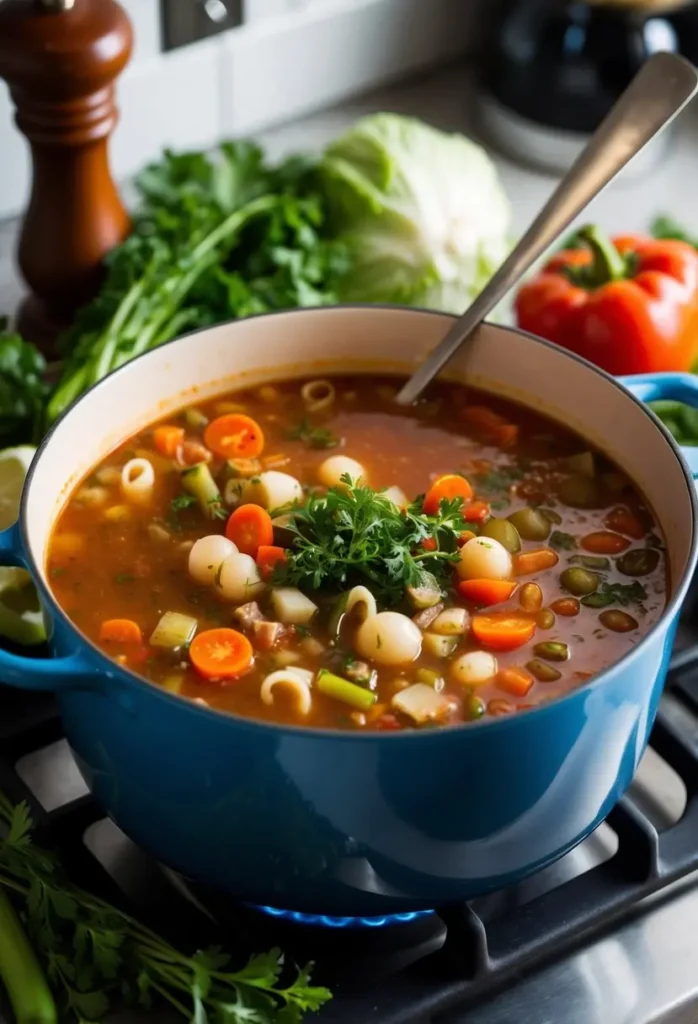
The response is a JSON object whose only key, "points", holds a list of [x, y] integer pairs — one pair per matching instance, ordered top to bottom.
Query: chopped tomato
{"points": [[235, 436], [446, 488], [476, 512], [622, 520], [250, 527], [429, 544], [268, 557], [502, 631]]}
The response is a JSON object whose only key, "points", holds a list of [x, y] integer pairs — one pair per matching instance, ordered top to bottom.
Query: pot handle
{"points": [[674, 387], [29, 673]]}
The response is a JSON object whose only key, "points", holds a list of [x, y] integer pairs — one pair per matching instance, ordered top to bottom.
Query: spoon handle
{"points": [[659, 91]]}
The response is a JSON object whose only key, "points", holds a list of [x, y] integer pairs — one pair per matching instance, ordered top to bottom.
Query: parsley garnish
{"points": [[314, 437], [182, 501], [217, 509], [358, 535], [562, 541], [57, 571], [124, 577], [616, 593], [98, 957]]}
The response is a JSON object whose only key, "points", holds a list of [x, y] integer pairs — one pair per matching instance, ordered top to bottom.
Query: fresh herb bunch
{"points": [[215, 237], [23, 391], [353, 535], [96, 957]]}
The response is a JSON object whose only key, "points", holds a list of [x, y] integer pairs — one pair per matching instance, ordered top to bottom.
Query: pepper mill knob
{"points": [[60, 59]]}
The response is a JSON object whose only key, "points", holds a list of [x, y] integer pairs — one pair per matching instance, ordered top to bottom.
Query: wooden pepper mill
{"points": [[60, 59]]}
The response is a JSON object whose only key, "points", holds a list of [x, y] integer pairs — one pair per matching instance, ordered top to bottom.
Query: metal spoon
{"points": [[659, 91]]}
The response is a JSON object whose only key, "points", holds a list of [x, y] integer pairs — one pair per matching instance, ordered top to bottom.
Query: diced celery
{"points": [[197, 480], [174, 630]]}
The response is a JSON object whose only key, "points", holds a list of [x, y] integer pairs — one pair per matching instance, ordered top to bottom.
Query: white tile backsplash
{"points": [[145, 18], [288, 58], [280, 68], [170, 100]]}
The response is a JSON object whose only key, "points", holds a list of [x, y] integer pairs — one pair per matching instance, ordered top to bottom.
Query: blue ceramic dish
{"points": [[339, 823]]}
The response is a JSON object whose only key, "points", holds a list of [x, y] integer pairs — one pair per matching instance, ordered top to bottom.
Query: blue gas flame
{"points": [[325, 921]]}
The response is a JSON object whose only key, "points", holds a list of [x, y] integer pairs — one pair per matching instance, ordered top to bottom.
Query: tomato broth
{"points": [[307, 552]]}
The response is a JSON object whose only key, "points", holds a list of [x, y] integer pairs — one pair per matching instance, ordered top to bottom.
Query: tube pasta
{"points": [[318, 395], [137, 480], [361, 599], [297, 680]]}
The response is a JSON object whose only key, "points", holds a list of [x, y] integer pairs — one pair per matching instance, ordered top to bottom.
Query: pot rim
{"points": [[669, 613]]}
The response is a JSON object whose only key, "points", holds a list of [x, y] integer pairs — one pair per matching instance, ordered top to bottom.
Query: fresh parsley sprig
{"points": [[314, 437], [354, 534], [96, 957]]}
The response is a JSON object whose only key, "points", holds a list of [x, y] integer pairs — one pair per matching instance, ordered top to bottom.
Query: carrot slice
{"points": [[482, 417], [235, 436], [167, 440], [446, 488], [476, 512], [622, 520], [250, 527], [464, 537], [603, 542], [268, 557], [534, 561], [486, 592], [120, 631], [502, 631], [220, 653], [515, 681]]}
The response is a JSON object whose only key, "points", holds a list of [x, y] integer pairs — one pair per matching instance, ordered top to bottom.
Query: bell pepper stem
{"points": [[607, 263]]}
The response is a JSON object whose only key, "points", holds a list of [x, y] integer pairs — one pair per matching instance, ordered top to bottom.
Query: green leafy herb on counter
{"points": [[215, 237], [23, 390], [97, 957]]}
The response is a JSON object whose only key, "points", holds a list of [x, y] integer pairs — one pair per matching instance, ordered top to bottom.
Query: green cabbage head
{"points": [[423, 213]]}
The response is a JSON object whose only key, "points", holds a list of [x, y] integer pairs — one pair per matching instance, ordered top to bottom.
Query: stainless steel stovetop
{"points": [[609, 935]]}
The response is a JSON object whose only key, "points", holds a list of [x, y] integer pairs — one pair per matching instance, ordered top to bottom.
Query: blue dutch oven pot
{"points": [[334, 822]]}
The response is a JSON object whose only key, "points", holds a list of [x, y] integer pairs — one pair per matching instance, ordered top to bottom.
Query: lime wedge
{"points": [[14, 465], [21, 619]]}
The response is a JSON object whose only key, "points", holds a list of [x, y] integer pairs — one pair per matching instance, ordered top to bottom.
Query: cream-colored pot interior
{"points": [[364, 338]]}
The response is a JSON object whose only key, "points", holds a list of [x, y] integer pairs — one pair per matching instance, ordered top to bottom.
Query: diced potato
{"points": [[292, 607], [451, 622], [439, 646], [421, 702]]}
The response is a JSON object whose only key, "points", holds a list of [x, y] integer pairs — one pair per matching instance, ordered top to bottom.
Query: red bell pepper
{"points": [[629, 305]]}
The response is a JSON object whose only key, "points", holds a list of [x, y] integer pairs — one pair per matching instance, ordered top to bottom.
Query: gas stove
{"points": [[605, 936]]}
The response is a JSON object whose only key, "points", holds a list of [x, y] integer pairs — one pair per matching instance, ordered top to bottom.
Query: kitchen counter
{"points": [[448, 100]]}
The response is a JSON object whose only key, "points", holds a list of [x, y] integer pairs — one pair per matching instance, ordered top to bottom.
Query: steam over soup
{"points": [[310, 553]]}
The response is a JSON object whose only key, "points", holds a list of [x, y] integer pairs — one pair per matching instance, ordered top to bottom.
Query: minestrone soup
{"points": [[307, 552]]}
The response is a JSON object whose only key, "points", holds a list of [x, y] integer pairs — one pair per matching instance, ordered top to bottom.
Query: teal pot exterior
{"points": [[341, 823]]}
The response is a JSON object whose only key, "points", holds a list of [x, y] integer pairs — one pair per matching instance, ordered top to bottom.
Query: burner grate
{"points": [[427, 970]]}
